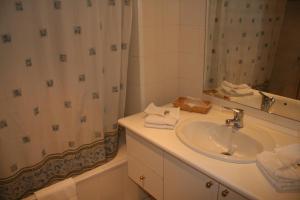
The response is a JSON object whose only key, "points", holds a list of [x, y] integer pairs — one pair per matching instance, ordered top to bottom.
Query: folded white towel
{"points": [[234, 86], [152, 109], [161, 117], [160, 120], [159, 126], [289, 155], [281, 177], [280, 186], [63, 190]]}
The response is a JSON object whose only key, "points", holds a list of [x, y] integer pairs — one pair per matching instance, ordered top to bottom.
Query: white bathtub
{"points": [[107, 182]]}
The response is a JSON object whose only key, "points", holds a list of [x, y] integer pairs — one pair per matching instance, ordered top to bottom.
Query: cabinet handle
{"points": [[142, 178], [209, 184], [225, 193]]}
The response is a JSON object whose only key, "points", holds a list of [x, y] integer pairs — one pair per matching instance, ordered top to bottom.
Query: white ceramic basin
{"points": [[222, 142]]}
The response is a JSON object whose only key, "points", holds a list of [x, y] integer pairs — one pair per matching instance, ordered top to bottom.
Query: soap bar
{"points": [[192, 105]]}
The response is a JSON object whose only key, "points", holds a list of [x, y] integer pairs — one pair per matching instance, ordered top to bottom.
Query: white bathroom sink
{"points": [[222, 142]]}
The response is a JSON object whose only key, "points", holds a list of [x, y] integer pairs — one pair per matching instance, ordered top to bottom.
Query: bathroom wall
{"points": [[191, 47], [166, 53], [153, 63], [286, 72]]}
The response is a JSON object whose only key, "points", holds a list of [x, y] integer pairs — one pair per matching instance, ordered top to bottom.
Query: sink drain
{"points": [[226, 153]]}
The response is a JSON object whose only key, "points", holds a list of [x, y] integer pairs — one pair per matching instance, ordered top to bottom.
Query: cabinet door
{"points": [[145, 177], [184, 182], [225, 193]]}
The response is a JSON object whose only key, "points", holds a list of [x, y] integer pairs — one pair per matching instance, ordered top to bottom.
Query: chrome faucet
{"points": [[266, 102], [238, 118]]}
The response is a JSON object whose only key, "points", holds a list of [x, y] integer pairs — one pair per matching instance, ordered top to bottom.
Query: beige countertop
{"points": [[245, 179]]}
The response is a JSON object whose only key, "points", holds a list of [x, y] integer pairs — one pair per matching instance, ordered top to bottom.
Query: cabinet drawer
{"points": [[146, 153], [145, 177], [226, 193]]}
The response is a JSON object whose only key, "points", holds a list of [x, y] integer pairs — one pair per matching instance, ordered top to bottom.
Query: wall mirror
{"points": [[253, 54]]}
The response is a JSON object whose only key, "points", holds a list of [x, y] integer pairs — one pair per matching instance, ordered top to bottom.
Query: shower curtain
{"points": [[242, 41], [63, 67]]}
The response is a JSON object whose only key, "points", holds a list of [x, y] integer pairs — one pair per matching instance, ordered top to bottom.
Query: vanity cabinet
{"points": [[145, 165], [166, 177], [183, 182]]}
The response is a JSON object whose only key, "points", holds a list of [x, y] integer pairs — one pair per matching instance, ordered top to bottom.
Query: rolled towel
{"points": [[234, 86], [289, 155], [63, 190]]}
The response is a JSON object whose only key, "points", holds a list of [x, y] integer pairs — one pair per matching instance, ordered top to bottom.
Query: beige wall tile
{"points": [[171, 12], [192, 12]]}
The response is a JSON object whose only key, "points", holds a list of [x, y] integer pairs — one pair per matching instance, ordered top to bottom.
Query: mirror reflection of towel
{"points": [[236, 90]]}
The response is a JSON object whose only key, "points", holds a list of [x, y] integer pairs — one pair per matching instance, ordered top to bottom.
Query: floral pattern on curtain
{"points": [[242, 41], [63, 67]]}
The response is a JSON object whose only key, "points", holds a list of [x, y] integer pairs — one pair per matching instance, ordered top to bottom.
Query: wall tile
{"points": [[171, 12], [192, 12], [151, 13], [169, 39], [191, 40]]}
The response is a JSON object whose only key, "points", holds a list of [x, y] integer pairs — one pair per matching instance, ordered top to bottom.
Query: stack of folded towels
{"points": [[236, 90], [161, 117], [282, 167]]}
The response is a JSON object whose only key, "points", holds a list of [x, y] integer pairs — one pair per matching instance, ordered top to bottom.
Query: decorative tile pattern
{"points": [[112, 2], [127, 2], [89, 3], [57, 4], [19, 6], [77, 29], [43, 32], [6, 38], [124, 46], [114, 47], [92, 51], [63, 57], [28, 62], [81, 78], [50, 83], [115, 89], [17, 92], [95, 95], [68, 104], [36, 111], [83, 119], [3, 124], [55, 128], [26, 139]]}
